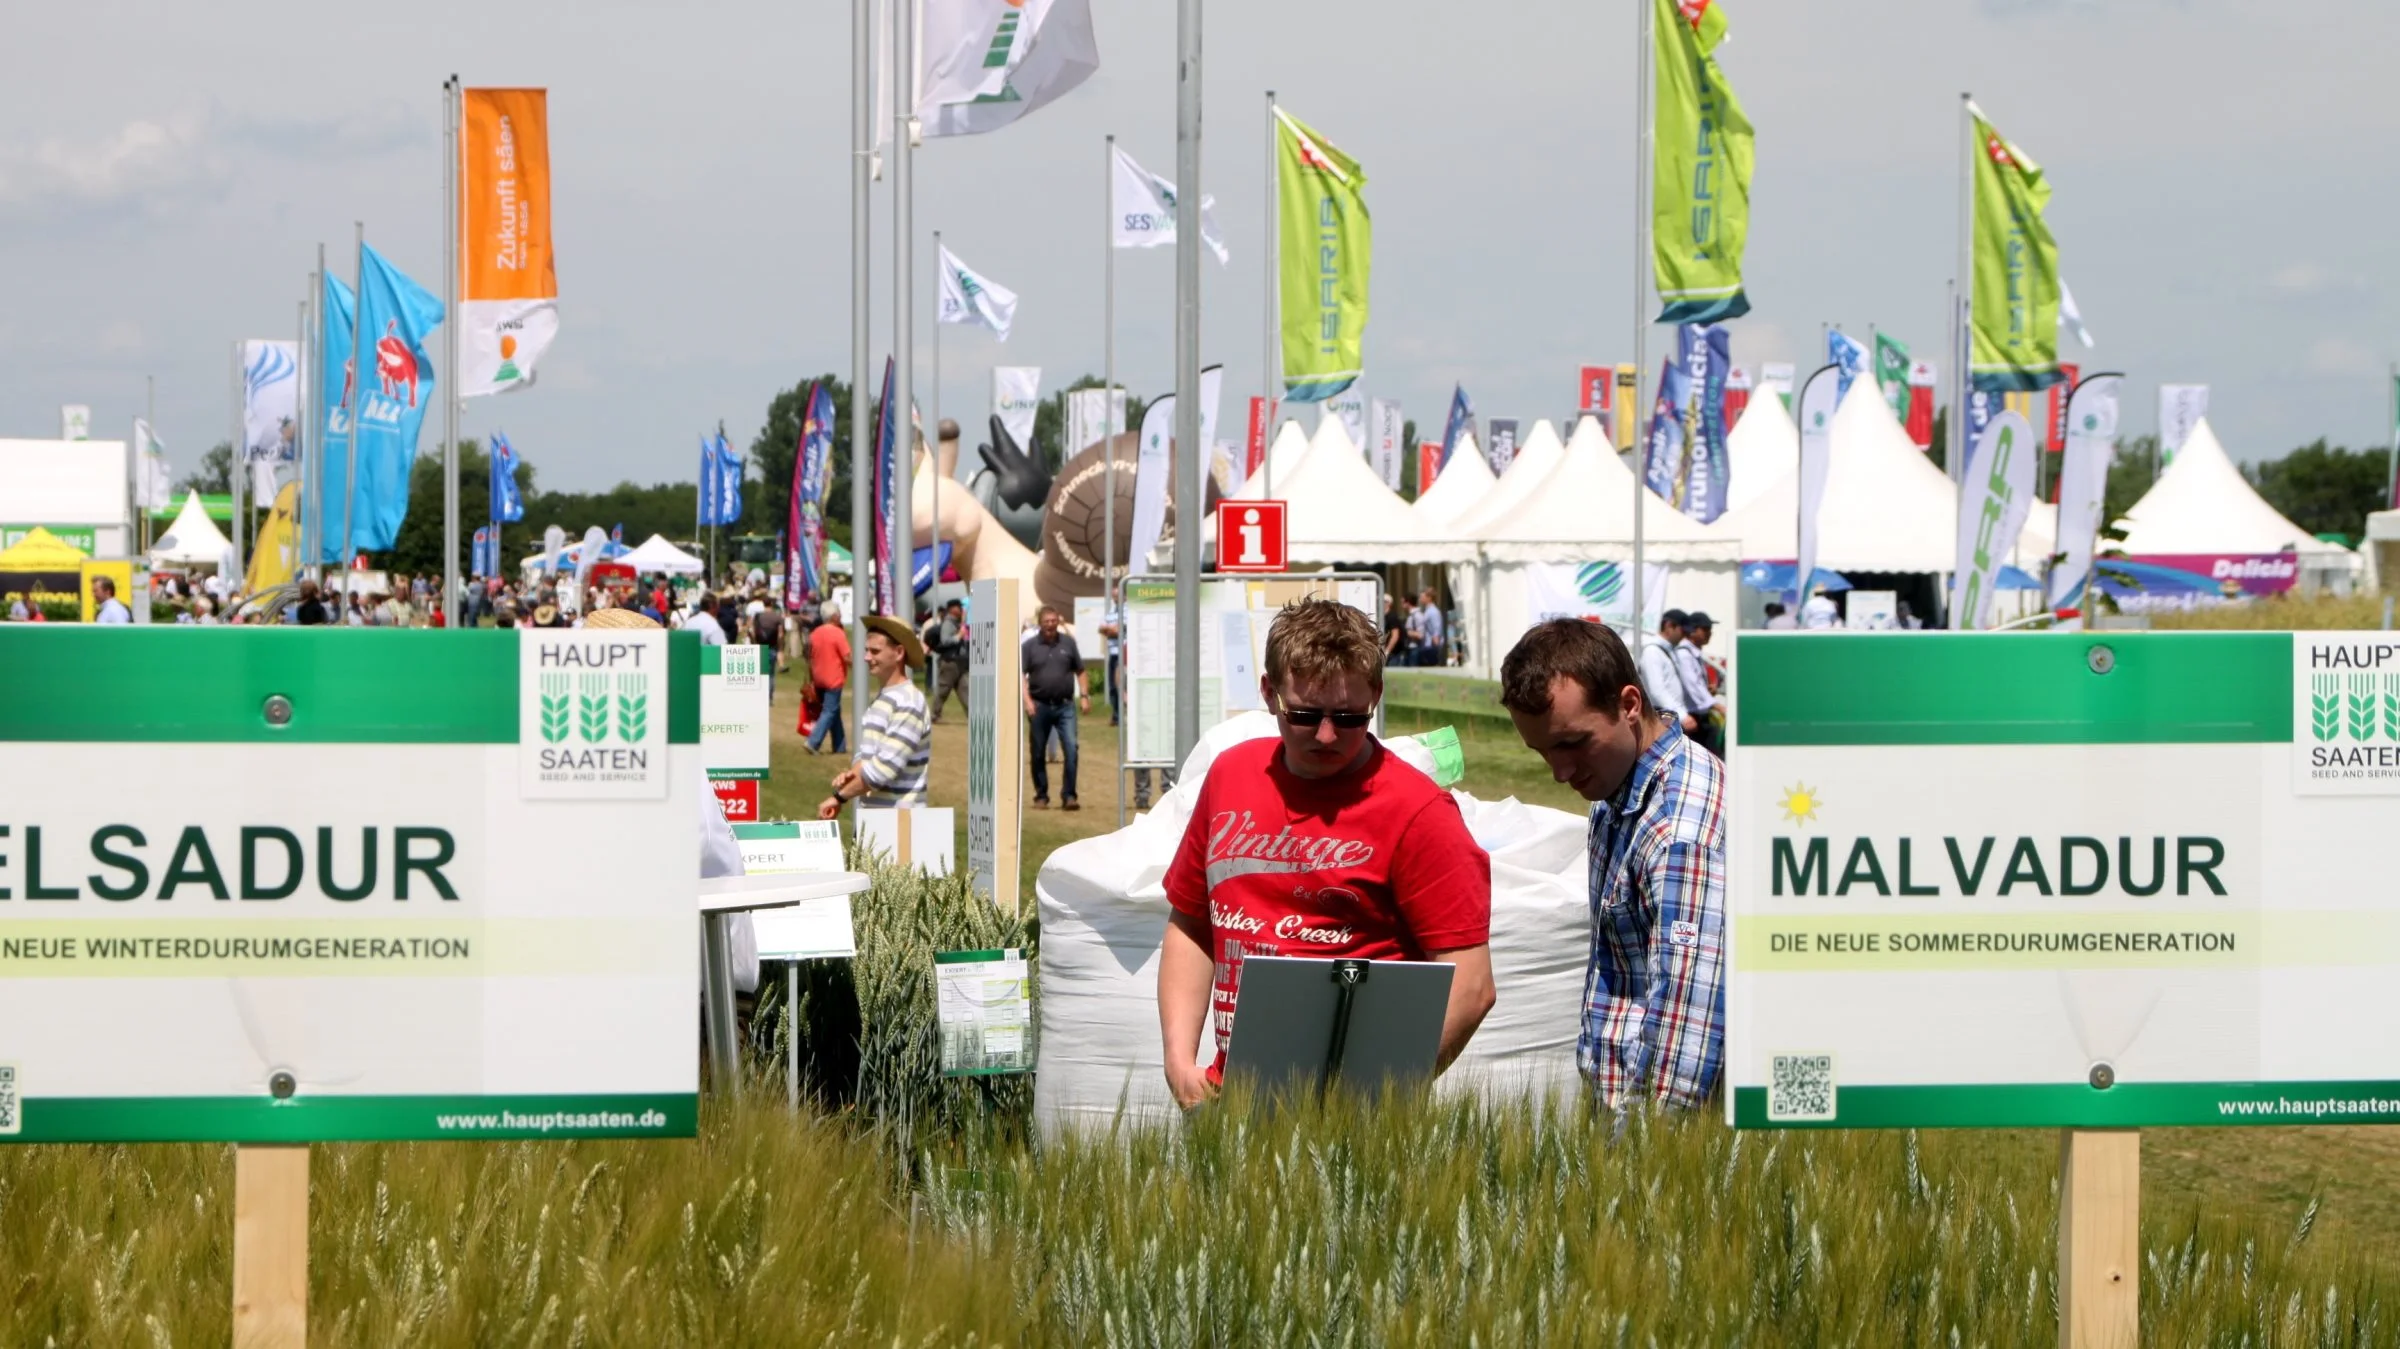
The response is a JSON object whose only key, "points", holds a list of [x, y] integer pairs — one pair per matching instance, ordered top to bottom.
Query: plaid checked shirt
{"points": [[1654, 1000]]}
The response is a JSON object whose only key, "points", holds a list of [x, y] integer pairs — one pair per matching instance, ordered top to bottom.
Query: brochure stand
{"points": [[1362, 1022]]}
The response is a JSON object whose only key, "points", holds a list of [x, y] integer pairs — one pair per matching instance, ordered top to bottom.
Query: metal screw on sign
{"points": [[2102, 659], [278, 710], [2103, 1076], [282, 1084]]}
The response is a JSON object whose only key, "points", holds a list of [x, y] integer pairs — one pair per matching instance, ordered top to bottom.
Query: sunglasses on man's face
{"points": [[1309, 718]]}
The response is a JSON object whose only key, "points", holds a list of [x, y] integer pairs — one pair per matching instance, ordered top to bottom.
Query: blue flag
{"points": [[1845, 351], [1707, 362], [393, 394], [1462, 421], [887, 434], [333, 440], [1664, 464], [729, 483], [508, 505], [706, 515], [477, 565], [804, 570]]}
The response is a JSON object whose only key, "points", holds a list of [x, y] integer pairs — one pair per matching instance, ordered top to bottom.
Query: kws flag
{"points": [[1700, 208], [1142, 209], [1324, 242], [508, 275], [970, 298], [395, 316], [2014, 316]]}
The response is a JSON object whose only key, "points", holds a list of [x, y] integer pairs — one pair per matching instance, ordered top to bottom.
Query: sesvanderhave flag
{"points": [[1700, 178], [1324, 240], [2015, 310], [1891, 374]]}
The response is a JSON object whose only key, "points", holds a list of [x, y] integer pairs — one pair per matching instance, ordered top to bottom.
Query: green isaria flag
{"points": [[1700, 179], [1325, 241], [2016, 269]]}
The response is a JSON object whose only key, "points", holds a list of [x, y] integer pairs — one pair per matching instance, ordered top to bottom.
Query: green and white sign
{"points": [[83, 537], [733, 711], [2088, 880], [283, 885]]}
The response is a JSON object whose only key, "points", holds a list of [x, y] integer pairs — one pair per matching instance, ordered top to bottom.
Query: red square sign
{"points": [[1251, 536], [738, 798]]}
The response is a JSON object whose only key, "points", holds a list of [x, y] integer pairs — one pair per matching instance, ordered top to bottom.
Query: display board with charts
{"points": [[1235, 613]]}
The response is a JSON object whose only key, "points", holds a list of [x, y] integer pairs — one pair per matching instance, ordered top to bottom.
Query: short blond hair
{"points": [[1317, 639]]}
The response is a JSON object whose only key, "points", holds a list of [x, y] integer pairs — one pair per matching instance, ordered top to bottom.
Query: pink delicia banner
{"points": [[2235, 574]]}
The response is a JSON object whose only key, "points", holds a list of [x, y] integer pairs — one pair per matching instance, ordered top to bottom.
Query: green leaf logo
{"points": [[556, 691], [594, 706], [2325, 706], [2391, 706], [2362, 707], [633, 708]]}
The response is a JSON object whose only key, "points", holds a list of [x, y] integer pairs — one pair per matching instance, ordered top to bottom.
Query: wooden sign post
{"points": [[2099, 1238], [270, 1246]]}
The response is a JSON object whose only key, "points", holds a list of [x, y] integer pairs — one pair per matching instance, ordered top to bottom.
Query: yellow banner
{"points": [[508, 277], [271, 553]]}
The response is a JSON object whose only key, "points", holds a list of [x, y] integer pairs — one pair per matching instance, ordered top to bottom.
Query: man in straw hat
{"points": [[895, 738]]}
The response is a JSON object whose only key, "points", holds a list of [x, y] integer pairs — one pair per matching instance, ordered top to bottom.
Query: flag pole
{"points": [[1645, 117], [1272, 248], [904, 262], [1963, 305], [357, 387], [447, 387], [2392, 407], [1188, 449], [933, 456], [241, 461], [316, 463], [862, 468], [1111, 604]]}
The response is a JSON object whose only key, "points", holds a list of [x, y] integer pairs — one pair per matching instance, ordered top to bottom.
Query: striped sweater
{"points": [[895, 746]]}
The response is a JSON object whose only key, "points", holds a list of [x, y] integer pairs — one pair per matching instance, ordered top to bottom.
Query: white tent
{"points": [[1290, 446], [1762, 447], [1535, 458], [1457, 488], [2201, 504], [1886, 507], [1340, 509], [1582, 509], [1577, 513], [193, 539], [656, 555]]}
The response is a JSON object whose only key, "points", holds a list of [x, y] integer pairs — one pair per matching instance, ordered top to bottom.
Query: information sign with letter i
{"points": [[1252, 536]]}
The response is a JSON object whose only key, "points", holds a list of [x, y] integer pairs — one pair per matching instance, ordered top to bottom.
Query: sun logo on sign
{"points": [[1800, 804]]}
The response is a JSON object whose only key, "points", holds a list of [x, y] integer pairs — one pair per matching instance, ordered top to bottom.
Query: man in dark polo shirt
{"points": [[1053, 693]]}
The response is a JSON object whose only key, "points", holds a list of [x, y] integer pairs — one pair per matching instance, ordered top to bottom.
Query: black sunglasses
{"points": [[1309, 718]]}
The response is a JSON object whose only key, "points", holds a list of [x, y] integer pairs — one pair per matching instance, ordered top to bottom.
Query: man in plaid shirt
{"points": [[1654, 1000]]}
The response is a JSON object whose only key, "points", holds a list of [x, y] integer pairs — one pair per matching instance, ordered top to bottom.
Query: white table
{"points": [[744, 894]]}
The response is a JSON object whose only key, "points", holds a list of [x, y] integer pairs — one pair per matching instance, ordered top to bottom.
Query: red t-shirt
{"points": [[828, 656], [1376, 864]]}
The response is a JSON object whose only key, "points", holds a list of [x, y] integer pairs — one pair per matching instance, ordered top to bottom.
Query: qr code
{"points": [[1801, 1087], [11, 1119]]}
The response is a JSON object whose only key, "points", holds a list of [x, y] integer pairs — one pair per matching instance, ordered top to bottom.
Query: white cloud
{"points": [[142, 166], [2342, 357]]}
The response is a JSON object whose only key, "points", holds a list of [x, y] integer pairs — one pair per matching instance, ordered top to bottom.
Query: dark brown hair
{"points": [[1319, 638], [1591, 654]]}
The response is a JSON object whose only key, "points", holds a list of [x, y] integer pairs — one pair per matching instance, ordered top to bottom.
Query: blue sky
{"points": [[166, 172]]}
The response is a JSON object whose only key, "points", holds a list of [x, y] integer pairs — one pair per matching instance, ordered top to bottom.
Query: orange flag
{"points": [[508, 280]]}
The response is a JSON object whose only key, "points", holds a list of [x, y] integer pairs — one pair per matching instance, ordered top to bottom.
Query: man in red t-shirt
{"points": [[828, 670], [1318, 843]]}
